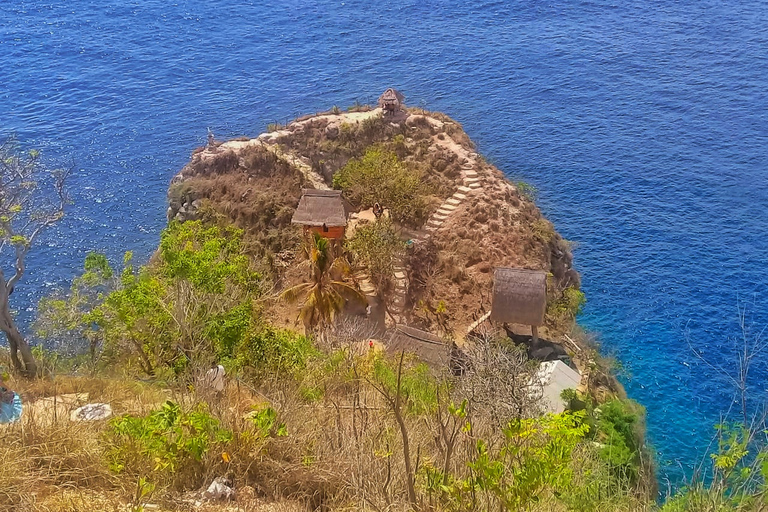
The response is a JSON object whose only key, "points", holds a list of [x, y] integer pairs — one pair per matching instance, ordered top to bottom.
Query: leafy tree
{"points": [[379, 176], [32, 198], [378, 247], [324, 294], [193, 302], [65, 317]]}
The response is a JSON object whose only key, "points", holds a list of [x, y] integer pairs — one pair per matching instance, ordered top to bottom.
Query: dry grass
{"points": [[254, 189], [505, 229], [343, 451]]}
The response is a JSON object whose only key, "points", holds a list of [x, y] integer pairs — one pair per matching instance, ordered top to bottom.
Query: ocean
{"points": [[643, 126]]}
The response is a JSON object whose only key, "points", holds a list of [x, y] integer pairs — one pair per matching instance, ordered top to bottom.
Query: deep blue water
{"points": [[642, 124]]}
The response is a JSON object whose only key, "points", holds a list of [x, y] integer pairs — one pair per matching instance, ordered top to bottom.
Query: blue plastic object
{"points": [[10, 413]]}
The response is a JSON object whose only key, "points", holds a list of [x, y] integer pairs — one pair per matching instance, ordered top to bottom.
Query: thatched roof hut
{"points": [[391, 100], [320, 208], [519, 296], [428, 347]]}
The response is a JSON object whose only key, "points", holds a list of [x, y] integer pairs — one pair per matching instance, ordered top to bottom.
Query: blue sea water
{"points": [[643, 125]]}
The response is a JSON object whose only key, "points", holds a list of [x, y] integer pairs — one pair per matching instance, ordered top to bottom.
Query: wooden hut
{"points": [[391, 101], [322, 212], [519, 297], [428, 347]]}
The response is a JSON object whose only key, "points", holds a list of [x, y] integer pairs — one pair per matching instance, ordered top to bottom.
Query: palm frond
{"points": [[349, 291], [293, 293]]}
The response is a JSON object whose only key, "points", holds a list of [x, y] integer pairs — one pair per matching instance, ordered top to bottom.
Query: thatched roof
{"points": [[391, 98], [320, 207], [519, 296], [428, 347]]}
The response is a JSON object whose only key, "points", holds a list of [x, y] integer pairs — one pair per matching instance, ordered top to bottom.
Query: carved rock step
{"points": [[469, 173], [475, 185], [463, 190], [459, 196], [452, 202]]}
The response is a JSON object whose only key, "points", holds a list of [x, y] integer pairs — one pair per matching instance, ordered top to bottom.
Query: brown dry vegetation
{"points": [[253, 188], [497, 226], [343, 449]]}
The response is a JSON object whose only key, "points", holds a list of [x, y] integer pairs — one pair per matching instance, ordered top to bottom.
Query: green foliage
{"points": [[379, 176], [526, 190], [378, 247], [208, 257], [325, 293], [194, 302], [567, 306], [67, 318], [228, 328], [270, 351], [417, 385], [266, 423], [618, 433], [164, 441], [733, 441], [534, 459], [738, 483], [144, 490]]}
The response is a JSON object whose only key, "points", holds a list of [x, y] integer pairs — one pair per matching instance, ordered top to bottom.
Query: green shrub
{"points": [[379, 176], [526, 190], [378, 247], [568, 305], [270, 351], [417, 384], [266, 423], [618, 426], [163, 442]]}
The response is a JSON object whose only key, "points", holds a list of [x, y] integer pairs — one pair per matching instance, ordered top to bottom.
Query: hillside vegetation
{"points": [[317, 411]]}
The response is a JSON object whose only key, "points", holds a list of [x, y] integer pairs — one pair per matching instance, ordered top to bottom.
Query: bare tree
{"points": [[26, 210], [499, 379], [397, 400]]}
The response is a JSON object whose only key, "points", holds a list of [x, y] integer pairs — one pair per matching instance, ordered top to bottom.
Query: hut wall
{"points": [[333, 232]]}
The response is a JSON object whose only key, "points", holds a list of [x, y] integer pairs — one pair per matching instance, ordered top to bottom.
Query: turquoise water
{"points": [[643, 126]]}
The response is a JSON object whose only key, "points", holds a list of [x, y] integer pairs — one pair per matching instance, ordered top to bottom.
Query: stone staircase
{"points": [[471, 183], [445, 210], [366, 286], [401, 289]]}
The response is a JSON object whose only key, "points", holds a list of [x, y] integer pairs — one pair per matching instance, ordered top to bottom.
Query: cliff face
{"points": [[476, 219]]}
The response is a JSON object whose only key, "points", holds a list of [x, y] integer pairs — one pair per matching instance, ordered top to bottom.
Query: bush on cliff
{"points": [[379, 176], [378, 247], [192, 303]]}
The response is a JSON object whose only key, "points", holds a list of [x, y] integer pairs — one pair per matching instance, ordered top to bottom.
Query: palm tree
{"points": [[324, 294]]}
